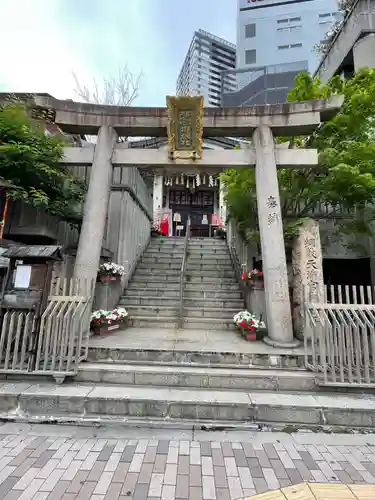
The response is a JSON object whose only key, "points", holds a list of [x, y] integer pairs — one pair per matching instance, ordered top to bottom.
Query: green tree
{"points": [[30, 163], [345, 174]]}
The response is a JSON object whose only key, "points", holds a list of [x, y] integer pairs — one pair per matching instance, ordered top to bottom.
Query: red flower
{"points": [[243, 276], [252, 328]]}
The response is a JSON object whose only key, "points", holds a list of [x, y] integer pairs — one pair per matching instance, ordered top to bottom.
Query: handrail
{"points": [[182, 275]]}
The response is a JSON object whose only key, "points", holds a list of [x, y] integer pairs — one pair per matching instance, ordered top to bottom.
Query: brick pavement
{"points": [[75, 463]]}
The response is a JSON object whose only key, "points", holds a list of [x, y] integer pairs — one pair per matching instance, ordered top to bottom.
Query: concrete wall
{"points": [[359, 22]]}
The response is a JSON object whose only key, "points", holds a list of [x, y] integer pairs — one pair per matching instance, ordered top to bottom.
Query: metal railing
{"points": [[182, 275], [340, 337], [53, 343]]}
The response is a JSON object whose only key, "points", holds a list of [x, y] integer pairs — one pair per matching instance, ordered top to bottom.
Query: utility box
{"points": [[28, 279]]}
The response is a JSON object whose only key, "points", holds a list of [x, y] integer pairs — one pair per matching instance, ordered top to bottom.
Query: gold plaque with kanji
{"points": [[185, 127]]}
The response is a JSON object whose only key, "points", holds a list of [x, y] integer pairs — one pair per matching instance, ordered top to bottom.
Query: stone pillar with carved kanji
{"points": [[308, 283], [279, 317]]}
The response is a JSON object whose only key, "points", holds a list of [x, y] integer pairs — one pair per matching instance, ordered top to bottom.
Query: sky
{"points": [[44, 41]]}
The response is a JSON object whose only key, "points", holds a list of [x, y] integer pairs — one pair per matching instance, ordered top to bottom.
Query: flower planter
{"points": [[108, 278], [257, 284], [108, 329], [253, 335]]}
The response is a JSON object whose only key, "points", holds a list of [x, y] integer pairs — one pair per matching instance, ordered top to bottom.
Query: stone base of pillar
{"points": [[288, 345]]}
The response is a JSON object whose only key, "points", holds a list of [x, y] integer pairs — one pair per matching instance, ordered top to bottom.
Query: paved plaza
{"points": [[39, 462]]}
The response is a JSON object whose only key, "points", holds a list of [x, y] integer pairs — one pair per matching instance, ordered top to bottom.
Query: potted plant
{"points": [[109, 271], [254, 278], [103, 322], [250, 326]]}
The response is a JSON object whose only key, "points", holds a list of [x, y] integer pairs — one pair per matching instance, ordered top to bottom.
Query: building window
{"points": [[325, 15], [294, 19], [282, 21], [296, 28], [250, 30], [295, 45], [282, 47], [250, 56]]}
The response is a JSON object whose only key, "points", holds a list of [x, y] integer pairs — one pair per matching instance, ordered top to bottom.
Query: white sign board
{"points": [[22, 278]]}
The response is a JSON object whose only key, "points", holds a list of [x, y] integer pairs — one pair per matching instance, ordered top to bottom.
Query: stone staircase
{"points": [[211, 294], [152, 297], [170, 378], [186, 389]]}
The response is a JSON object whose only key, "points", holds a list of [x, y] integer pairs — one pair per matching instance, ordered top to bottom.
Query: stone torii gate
{"points": [[263, 123]]}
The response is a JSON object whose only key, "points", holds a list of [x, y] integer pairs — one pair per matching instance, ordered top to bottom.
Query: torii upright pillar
{"points": [[279, 317]]}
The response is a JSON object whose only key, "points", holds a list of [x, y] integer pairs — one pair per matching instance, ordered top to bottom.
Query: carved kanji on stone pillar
{"points": [[308, 281]]}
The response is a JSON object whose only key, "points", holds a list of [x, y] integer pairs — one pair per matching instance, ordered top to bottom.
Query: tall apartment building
{"points": [[275, 42], [201, 73]]}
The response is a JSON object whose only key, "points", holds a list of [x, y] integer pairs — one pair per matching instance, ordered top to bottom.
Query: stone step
{"points": [[161, 259], [209, 259], [172, 265], [208, 266], [156, 270], [211, 273], [210, 282], [145, 284], [151, 292], [196, 294], [133, 301], [222, 303], [153, 310], [211, 312], [160, 322], [212, 324], [233, 359], [198, 377], [79, 402]]}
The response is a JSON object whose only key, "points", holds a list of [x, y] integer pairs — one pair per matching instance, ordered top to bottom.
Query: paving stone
{"points": [[163, 448], [206, 449], [227, 449], [249, 450], [270, 451], [105, 453], [128, 453], [150, 454], [217, 457], [240, 458], [18, 459], [263, 459], [90, 460], [308, 460], [160, 463], [183, 465], [207, 466], [231, 466], [24, 467], [279, 469], [303, 470], [96, 471], [120, 472], [145, 473], [170, 476], [195, 476], [294, 476], [220, 477], [245, 478], [271, 479], [78, 481], [129, 484], [7, 485], [156, 485], [182, 487], [208, 488], [235, 488], [59, 490], [86, 491], [140, 492], [168, 492], [195, 493], [222, 494]]}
